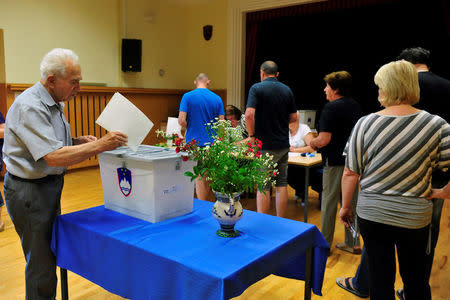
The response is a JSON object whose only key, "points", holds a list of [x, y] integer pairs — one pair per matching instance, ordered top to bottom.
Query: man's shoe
{"points": [[353, 250]]}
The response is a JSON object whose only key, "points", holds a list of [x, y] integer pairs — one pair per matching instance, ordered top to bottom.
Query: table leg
{"points": [[305, 218], [308, 273], [64, 287]]}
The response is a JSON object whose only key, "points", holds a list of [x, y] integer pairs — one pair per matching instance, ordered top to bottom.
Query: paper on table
{"points": [[122, 115], [173, 127], [291, 154]]}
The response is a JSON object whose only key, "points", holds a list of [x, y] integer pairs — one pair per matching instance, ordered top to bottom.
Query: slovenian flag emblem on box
{"points": [[125, 182]]}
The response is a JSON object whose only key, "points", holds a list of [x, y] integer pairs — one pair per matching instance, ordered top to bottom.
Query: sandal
{"points": [[353, 250], [347, 286], [400, 294]]}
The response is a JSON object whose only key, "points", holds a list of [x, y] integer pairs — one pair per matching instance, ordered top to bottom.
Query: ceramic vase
{"points": [[227, 211]]}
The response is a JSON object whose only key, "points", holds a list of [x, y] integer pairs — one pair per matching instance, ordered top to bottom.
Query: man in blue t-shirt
{"points": [[197, 108], [270, 109], [2, 132]]}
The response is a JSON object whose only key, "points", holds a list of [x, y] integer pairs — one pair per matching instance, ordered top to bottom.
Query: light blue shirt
{"points": [[35, 126]]}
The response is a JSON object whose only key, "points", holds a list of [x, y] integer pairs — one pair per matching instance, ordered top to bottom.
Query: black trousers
{"points": [[33, 206], [380, 241]]}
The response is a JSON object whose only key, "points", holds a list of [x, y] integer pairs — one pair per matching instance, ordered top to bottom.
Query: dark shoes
{"points": [[353, 250], [344, 282], [400, 294]]}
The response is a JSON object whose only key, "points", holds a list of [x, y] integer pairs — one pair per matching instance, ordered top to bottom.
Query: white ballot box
{"points": [[148, 184]]}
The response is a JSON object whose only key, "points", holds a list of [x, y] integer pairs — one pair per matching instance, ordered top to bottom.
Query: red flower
{"points": [[178, 142], [177, 149], [250, 150], [258, 154], [185, 158], [274, 173]]}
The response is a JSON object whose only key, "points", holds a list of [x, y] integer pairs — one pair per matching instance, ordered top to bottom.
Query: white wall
{"points": [[32, 28], [170, 30]]}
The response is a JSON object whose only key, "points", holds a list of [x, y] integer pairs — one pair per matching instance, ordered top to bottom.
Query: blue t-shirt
{"points": [[201, 106], [2, 120]]}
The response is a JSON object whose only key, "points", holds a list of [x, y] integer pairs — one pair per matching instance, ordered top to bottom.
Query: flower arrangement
{"points": [[170, 138], [229, 166]]}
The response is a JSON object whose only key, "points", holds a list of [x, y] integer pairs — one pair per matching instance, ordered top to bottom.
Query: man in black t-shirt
{"points": [[270, 109]]}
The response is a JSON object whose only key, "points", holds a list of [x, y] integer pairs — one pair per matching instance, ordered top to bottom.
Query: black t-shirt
{"points": [[434, 95], [434, 98], [273, 102], [338, 117]]}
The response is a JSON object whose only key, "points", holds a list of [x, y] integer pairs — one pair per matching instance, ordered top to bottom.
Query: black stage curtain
{"points": [[309, 41]]}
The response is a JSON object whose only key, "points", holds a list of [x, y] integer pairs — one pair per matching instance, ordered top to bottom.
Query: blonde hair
{"points": [[399, 82]]}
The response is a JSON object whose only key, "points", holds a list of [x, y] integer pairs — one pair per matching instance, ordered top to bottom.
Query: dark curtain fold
{"points": [[254, 18]]}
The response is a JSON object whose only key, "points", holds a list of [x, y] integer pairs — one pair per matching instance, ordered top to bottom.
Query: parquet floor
{"points": [[83, 189]]}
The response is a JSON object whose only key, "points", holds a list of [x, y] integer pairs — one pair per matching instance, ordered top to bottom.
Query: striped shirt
{"points": [[395, 156]]}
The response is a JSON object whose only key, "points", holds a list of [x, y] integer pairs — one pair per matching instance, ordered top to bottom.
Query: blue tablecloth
{"points": [[183, 258]]}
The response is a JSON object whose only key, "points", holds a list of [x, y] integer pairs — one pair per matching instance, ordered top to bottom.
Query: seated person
{"points": [[236, 118], [299, 137]]}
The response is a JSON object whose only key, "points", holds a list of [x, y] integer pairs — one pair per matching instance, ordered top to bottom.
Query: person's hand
{"points": [[84, 139], [112, 140], [291, 149], [438, 194], [346, 216]]}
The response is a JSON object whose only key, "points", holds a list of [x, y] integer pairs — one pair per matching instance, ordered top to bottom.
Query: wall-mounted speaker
{"points": [[131, 55]]}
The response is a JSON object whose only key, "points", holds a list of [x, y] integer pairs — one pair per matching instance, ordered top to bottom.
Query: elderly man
{"points": [[197, 108], [270, 109], [37, 149]]}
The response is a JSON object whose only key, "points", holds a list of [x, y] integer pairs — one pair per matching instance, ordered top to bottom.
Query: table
{"points": [[307, 163], [183, 258]]}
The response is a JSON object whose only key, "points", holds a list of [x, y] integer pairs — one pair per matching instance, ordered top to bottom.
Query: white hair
{"points": [[55, 62]]}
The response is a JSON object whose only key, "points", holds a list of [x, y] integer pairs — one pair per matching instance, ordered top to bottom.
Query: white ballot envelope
{"points": [[122, 115], [173, 127]]}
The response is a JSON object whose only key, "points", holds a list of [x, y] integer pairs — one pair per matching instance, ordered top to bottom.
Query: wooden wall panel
{"points": [[82, 111]]}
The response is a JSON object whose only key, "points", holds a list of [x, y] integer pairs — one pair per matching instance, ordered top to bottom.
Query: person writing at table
{"points": [[300, 136], [37, 149], [392, 154]]}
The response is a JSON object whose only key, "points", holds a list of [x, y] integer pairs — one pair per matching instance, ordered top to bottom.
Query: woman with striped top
{"points": [[391, 154]]}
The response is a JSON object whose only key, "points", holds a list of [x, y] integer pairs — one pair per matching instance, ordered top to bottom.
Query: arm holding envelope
{"points": [[83, 139], [70, 155]]}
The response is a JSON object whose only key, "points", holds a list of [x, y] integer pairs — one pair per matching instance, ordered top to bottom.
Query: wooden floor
{"points": [[83, 189]]}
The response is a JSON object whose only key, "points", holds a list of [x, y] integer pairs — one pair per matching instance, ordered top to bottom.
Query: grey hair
{"points": [[55, 62], [202, 77]]}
